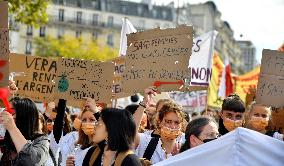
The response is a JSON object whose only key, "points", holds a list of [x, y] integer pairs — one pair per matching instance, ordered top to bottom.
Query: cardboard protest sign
{"points": [[4, 14], [4, 44], [157, 55], [4, 58], [34, 76], [81, 78], [270, 88], [117, 90], [277, 119]]}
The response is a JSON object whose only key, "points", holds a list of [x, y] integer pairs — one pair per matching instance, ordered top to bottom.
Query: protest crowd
{"points": [[153, 129], [112, 136]]}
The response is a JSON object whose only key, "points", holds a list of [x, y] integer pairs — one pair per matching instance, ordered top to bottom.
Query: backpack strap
{"points": [[151, 148], [94, 156], [52, 157], [120, 157]]}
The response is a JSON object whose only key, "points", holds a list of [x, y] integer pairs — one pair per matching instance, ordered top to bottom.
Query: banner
{"points": [[126, 28], [157, 55], [201, 59], [217, 68], [243, 85], [196, 100]]}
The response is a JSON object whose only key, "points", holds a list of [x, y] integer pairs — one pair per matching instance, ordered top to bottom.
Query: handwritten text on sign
{"points": [[157, 55], [80, 78], [37, 80], [270, 89]]}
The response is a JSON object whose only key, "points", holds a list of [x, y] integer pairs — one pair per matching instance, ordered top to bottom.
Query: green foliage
{"points": [[30, 12], [71, 47]]}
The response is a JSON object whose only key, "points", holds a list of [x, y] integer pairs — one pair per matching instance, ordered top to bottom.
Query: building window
{"points": [[61, 2], [79, 3], [123, 9], [139, 10], [154, 13], [165, 14], [61, 15], [79, 18], [95, 19], [110, 21], [142, 24], [29, 30], [42, 31], [60, 32], [78, 33], [95, 35], [110, 39], [28, 47]]}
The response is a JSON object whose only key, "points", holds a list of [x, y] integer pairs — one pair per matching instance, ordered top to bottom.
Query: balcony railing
{"points": [[82, 22]]}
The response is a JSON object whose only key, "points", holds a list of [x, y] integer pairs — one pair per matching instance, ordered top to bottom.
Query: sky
{"points": [[261, 21]]}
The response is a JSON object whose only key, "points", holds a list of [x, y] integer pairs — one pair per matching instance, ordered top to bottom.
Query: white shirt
{"points": [[180, 139], [67, 145], [158, 155]]}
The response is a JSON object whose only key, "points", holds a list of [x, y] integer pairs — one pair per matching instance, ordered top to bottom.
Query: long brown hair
{"points": [[83, 139]]}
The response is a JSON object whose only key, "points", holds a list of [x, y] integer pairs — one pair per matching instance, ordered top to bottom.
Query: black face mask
{"points": [[208, 140]]}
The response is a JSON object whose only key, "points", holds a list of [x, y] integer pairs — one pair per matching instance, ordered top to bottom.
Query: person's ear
{"points": [[221, 114]]}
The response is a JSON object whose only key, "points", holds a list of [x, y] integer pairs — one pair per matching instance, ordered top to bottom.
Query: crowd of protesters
{"points": [[142, 134]]}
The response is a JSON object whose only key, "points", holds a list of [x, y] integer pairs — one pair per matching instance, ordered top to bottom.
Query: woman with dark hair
{"points": [[232, 114], [200, 130], [114, 136], [24, 143]]}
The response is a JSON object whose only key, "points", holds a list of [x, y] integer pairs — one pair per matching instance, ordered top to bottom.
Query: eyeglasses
{"points": [[97, 123]]}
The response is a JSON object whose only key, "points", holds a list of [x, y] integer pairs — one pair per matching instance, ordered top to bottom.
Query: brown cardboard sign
{"points": [[4, 14], [4, 43], [157, 55], [34, 76], [81, 78], [117, 88], [270, 89], [277, 120]]}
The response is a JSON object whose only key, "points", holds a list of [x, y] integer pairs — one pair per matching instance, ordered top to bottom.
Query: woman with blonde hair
{"points": [[258, 117], [78, 142]]}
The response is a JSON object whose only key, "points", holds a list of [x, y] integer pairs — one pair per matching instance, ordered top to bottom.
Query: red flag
{"points": [[229, 83], [226, 84]]}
